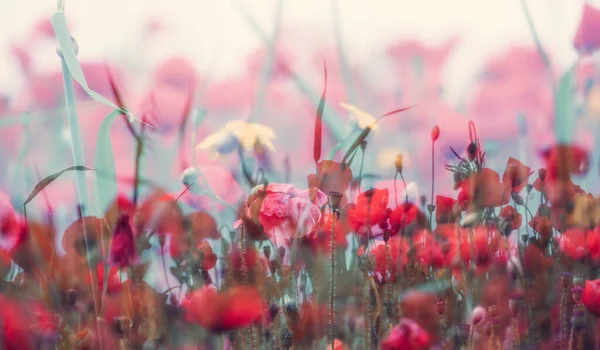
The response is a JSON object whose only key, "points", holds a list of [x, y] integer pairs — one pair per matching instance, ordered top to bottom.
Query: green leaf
{"points": [[59, 24], [563, 108], [49, 179], [106, 184]]}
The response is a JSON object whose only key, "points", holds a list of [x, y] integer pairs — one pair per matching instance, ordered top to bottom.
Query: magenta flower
{"points": [[587, 37]]}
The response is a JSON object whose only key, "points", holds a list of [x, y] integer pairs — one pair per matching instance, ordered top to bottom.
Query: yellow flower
{"points": [[363, 119], [239, 133]]}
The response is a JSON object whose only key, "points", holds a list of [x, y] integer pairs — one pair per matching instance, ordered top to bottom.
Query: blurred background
{"points": [[262, 61]]}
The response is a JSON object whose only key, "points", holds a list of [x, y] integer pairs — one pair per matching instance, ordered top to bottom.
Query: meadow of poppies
{"points": [[338, 209]]}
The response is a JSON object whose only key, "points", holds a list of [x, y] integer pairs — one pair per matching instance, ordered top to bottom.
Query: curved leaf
{"points": [[49, 179], [106, 185]]}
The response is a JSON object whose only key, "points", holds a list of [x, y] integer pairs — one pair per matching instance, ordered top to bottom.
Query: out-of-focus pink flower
{"points": [[587, 37], [281, 63], [420, 68], [178, 73], [514, 84], [167, 106], [285, 209], [406, 335]]}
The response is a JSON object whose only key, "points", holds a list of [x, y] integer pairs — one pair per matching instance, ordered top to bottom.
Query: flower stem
{"points": [[78, 158], [332, 295]]}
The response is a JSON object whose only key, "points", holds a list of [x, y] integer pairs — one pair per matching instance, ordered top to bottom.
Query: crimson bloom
{"points": [[587, 37], [516, 175], [370, 209], [446, 210], [403, 216], [321, 240], [572, 243], [485, 247], [122, 248], [429, 250], [391, 260], [591, 296], [235, 308], [406, 335]]}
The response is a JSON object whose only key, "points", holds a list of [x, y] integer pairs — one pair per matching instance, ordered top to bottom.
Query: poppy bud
{"points": [[75, 48], [435, 133], [472, 150], [398, 163], [542, 174], [189, 176], [267, 251], [281, 251], [567, 279], [71, 296], [273, 311]]}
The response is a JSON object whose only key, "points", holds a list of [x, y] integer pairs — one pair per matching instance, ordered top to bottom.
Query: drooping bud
{"points": [[189, 176]]}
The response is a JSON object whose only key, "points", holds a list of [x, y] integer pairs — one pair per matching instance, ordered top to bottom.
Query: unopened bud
{"points": [[398, 163], [189, 176]]}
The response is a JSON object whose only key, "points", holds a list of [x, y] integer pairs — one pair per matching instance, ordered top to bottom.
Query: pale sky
{"points": [[209, 31]]}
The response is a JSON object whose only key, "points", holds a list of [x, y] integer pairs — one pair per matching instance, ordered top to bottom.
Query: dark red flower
{"points": [[587, 37], [516, 175], [330, 177], [483, 189], [370, 209], [446, 210], [159, 212], [510, 214], [404, 215], [202, 226], [593, 244], [486, 247], [122, 248], [591, 296], [235, 308], [310, 323], [406, 335]]}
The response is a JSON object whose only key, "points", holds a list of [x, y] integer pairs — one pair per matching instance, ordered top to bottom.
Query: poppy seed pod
{"points": [[435, 133], [398, 163], [189, 176], [335, 199]]}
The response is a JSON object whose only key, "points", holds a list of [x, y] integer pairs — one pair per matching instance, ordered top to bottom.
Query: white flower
{"points": [[363, 119], [239, 133]]}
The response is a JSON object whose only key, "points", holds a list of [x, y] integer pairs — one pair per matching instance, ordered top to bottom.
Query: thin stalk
{"points": [[538, 44], [350, 93], [78, 159], [432, 181], [405, 188], [396, 189], [332, 291]]}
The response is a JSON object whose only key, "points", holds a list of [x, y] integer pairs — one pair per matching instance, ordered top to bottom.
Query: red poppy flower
{"points": [[587, 37], [562, 160], [516, 175], [330, 177], [483, 189], [121, 205], [370, 209], [446, 210], [161, 213], [510, 214], [404, 215], [202, 226], [98, 235], [321, 240], [572, 243], [593, 244], [487, 247], [122, 248], [429, 250], [207, 256], [535, 260], [389, 262], [114, 281], [591, 296], [235, 308], [21, 321], [311, 323], [406, 335], [337, 345]]}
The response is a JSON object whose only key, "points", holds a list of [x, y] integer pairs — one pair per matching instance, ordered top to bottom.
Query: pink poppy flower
{"points": [[284, 210], [407, 335]]}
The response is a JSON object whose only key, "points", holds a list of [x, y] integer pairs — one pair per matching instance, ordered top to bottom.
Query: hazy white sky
{"points": [[203, 30]]}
